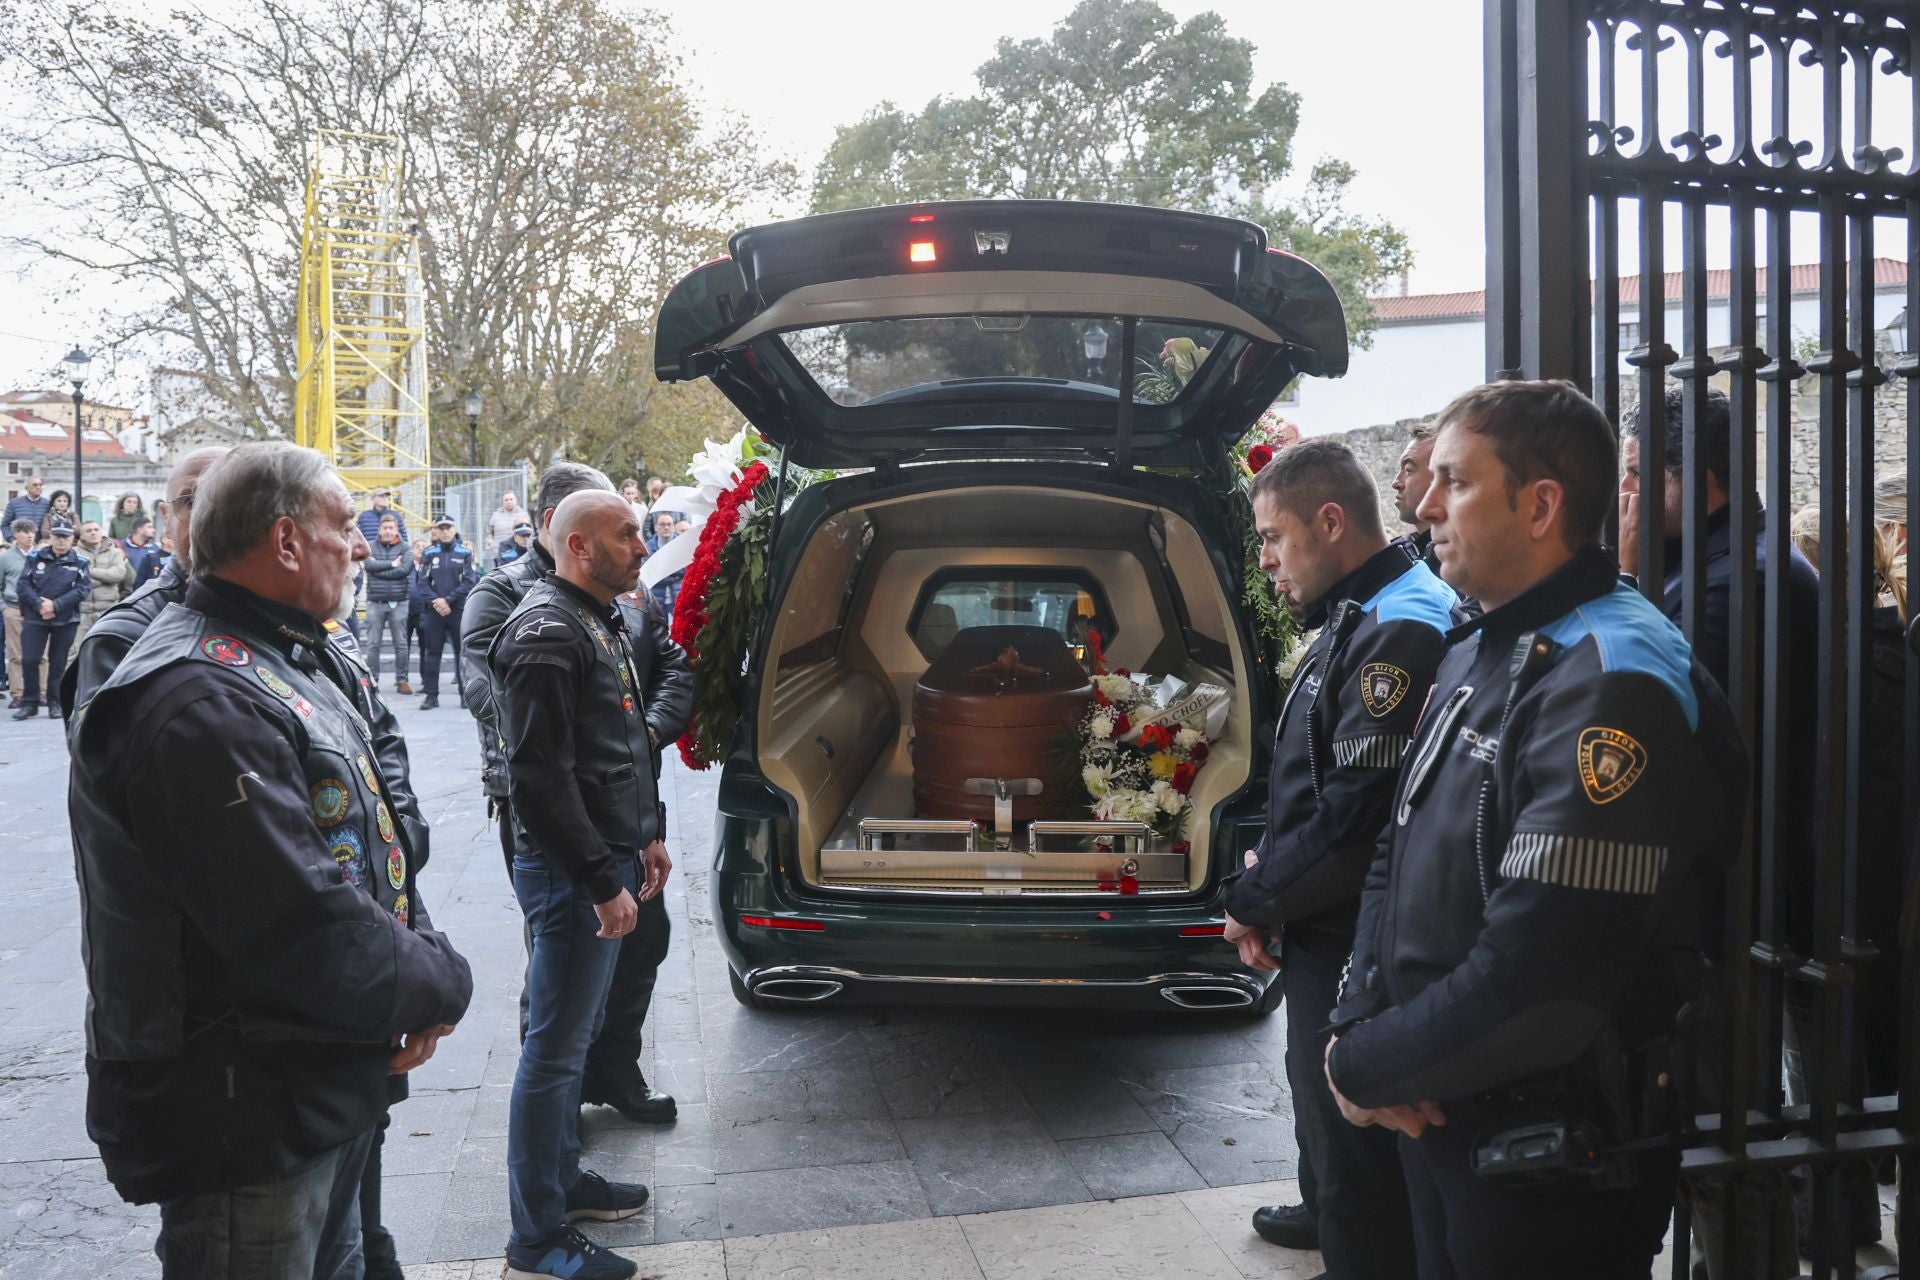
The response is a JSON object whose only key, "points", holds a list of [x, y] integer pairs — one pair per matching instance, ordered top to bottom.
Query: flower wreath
{"points": [[714, 614], [1134, 767]]}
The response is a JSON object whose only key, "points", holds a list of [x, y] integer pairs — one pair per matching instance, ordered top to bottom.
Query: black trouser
{"points": [[435, 631], [44, 640], [612, 1056], [1470, 1229], [1366, 1230], [382, 1261]]}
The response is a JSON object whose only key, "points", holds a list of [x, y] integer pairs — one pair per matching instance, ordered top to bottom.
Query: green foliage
{"points": [[736, 603], [1275, 630]]}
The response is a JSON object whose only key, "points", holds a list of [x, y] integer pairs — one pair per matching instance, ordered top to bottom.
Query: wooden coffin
{"points": [[1001, 702]]}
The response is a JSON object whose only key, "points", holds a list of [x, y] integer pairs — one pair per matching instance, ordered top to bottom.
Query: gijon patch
{"points": [[1382, 686], [1610, 763]]}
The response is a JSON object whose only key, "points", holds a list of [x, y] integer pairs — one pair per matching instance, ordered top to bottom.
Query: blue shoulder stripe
{"points": [[1415, 596], [1632, 635]]}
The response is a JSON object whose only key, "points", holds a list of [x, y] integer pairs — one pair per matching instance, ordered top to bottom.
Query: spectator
{"points": [[1410, 481], [655, 487], [630, 490], [382, 503], [28, 506], [128, 510], [60, 512], [162, 512], [501, 523], [518, 545], [418, 549], [166, 550], [143, 553], [13, 563], [388, 573], [445, 576], [112, 577], [51, 590], [666, 593], [258, 958]]}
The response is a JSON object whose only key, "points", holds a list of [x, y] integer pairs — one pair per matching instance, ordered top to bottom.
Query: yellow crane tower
{"points": [[361, 397]]}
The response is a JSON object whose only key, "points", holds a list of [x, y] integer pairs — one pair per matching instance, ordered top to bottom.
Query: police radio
{"points": [[1548, 1151]]}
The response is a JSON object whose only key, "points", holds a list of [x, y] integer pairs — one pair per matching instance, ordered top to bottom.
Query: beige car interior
{"points": [[834, 723]]}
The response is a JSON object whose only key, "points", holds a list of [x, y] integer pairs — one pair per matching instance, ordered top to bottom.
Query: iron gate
{"points": [[1685, 106]]}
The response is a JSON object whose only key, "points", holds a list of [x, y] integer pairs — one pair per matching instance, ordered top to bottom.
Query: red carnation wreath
{"points": [[690, 610]]}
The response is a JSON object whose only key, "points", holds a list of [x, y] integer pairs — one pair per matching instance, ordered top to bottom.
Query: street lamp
{"points": [[1094, 342], [77, 362], [473, 429]]}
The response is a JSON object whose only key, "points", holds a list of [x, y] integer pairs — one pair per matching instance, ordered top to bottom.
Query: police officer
{"points": [[1410, 480], [446, 576], [52, 586], [1348, 717], [586, 817], [1526, 936], [258, 958], [613, 1076]]}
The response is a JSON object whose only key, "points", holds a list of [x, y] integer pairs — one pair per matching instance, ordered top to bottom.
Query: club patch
{"points": [[226, 651], [275, 683], [1382, 686], [626, 705], [1610, 763], [367, 775], [329, 800], [383, 820], [348, 855], [396, 868], [400, 908]]}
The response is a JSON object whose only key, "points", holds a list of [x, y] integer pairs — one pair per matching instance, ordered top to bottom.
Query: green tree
{"points": [[1121, 102]]}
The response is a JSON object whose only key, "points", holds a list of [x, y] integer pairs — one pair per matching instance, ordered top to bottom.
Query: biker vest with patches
{"points": [[347, 801]]}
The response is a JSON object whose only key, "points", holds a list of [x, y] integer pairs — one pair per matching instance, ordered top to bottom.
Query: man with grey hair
{"points": [[13, 563], [258, 959]]}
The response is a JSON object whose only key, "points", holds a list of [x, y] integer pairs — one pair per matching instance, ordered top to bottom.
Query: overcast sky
{"points": [[1400, 99]]}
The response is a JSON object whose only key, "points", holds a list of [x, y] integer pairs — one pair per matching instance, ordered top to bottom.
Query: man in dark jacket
{"points": [[1410, 480], [32, 505], [380, 506], [513, 548], [142, 551], [389, 569], [447, 573], [55, 582], [1347, 720], [587, 818], [1529, 926], [258, 958], [613, 1076]]}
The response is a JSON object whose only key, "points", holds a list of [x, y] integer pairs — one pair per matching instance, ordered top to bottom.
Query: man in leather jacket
{"points": [[1345, 725], [586, 816], [1529, 928], [258, 959], [613, 1076]]}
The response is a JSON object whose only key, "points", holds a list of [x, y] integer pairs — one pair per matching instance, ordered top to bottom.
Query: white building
{"points": [[1430, 347]]}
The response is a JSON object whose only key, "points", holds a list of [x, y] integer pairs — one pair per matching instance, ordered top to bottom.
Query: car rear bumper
{"points": [[800, 984]]}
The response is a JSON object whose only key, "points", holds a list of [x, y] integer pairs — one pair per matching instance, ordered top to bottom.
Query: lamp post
{"points": [[1094, 343], [77, 362], [474, 405]]}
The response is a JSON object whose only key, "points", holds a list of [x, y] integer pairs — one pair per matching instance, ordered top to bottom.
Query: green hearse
{"points": [[990, 382]]}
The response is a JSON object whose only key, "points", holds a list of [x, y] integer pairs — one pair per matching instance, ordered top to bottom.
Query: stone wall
{"points": [[1379, 449]]}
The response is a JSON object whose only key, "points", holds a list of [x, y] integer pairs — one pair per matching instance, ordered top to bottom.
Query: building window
{"points": [[1629, 334]]}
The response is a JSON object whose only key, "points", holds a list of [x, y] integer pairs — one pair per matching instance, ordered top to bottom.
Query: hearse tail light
{"points": [[919, 217], [922, 251], [779, 922], [1204, 931]]}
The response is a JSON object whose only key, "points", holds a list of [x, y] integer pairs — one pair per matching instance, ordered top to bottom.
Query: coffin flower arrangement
{"points": [[1142, 744]]}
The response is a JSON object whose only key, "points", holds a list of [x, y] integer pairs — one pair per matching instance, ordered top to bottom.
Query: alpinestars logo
{"points": [[534, 628]]}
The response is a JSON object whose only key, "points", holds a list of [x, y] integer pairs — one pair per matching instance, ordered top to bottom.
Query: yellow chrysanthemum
{"points": [[1163, 764]]}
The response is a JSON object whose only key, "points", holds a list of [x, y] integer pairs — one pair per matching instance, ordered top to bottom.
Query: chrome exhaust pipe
{"points": [[797, 990], [1193, 997]]}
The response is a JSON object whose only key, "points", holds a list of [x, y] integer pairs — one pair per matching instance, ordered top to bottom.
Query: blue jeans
{"points": [[567, 979], [304, 1227]]}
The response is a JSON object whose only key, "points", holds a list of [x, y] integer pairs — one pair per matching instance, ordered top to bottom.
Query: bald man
{"points": [[114, 632], [587, 828]]}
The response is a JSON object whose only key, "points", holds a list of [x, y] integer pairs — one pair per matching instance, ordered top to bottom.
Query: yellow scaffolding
{"points": [[361, 396]]}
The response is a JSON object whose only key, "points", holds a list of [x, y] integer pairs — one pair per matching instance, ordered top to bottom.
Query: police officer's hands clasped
{"points": [[657, 866], [617, 915], [1250, 940], [1412, 1121]]}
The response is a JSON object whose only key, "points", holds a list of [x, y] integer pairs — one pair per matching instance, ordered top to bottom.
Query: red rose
{"points": [[1259, 456], [1124, 674], [1101, 700], [1121, 725], [1199, 752], [1183, 777]]}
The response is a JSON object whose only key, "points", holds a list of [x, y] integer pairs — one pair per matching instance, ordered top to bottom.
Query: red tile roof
{"points": [[1421, 308], [50, 438]]}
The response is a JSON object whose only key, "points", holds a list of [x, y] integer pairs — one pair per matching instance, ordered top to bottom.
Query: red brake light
{"points": [[919, 217], [922, 251], [775, 922], [1204, 931]]}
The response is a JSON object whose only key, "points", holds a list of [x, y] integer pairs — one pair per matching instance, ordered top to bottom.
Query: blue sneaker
{"points": [[598, 1200], [568, 1255]]}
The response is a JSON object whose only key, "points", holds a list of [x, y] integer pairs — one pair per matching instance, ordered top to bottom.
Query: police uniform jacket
{"points": [[446, 573], [62, 579], [575, 710], [1344, 726], [1573, 780], [252, 935]]}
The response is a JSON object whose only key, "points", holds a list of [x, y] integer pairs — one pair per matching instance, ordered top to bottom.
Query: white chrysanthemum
{"points": [[1291, 663], [1118, 688], [1102, 726], [1188, 739], [1096, 778], [1167, 798]]}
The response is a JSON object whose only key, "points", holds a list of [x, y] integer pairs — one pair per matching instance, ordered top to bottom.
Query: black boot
{"points": [[429, 702], [28, 710], [632, 1097], [1291, 1226]]}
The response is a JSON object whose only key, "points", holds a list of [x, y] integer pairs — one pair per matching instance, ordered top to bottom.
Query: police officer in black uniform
{"points": [[1411, 476], [447, 574], [52, 586], [1346, 722], [1528, 932], [255, 943], [613, 1077]]}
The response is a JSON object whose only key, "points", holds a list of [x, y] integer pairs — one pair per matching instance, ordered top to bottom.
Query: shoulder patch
{"points": [[1415, 596], [227, 651], [1382, 687], [1610, 763]]}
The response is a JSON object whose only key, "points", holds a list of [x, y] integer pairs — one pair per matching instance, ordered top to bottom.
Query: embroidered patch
{"points": [[534, 628], [226, 651], [275, 683], [1382, 686], [626, 705], [304, 707], [1610, 763], [367, 775], [329, 800], [384, 821], [348, 855], [396, 868], [400, 908]]}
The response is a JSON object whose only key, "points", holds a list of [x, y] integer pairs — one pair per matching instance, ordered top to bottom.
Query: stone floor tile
{"points": [[938, 1069], [1077, 1096], [796, 1119], [1232, 1121], [426, 1132], [683, 1151], [1131, 1164], [968, 1166], [761, 1203], [410, 1204], [686, 1213], [1227, 1215], [1150, 1238], [935, 1249], [683, 1260], [448, 1270]]}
